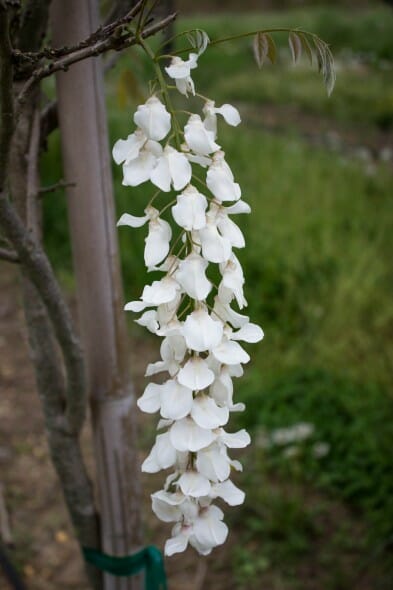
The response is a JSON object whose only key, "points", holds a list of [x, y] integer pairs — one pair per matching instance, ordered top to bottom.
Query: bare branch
{"points": [[100, 34], [114, 41], [6, 99], [54, 187], [8, 255], [37, 267]]}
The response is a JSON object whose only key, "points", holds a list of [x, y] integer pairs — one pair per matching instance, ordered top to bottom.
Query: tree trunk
{"points": [[92, 221]]}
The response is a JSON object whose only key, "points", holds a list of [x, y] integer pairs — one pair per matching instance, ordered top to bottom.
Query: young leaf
{"points": [[198, 40], [264, 46], [295, 46], [306, 46], [260, 47], [272, 51], [325, 64]]}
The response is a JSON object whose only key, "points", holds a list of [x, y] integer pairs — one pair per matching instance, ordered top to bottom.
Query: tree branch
{"points": [[115, 41], [6, 99], [54, 187], [8, 255], [38, 269]]}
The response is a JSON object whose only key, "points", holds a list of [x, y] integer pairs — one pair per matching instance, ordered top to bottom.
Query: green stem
{"points": [[252, 33]]}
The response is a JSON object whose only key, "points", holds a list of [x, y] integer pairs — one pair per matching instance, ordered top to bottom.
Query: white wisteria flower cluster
{"points": [[200, 331]]}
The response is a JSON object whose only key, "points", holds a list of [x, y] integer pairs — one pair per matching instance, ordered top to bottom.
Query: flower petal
{"points": [[230, 114], [153, 118], [199, 139], [180, 168], [189, 212], [132, 221], [157, 242], [215, 248], [191, 276], [201, 332], [248, 333], [230, 353], [196, 374], [176, 400], [150, 401], [207, 414], [185, 435], [235, 440], [162, 455], [213, 463], [194, 484], [227, 490], [164, 509], [209, 530], [178, 542]]}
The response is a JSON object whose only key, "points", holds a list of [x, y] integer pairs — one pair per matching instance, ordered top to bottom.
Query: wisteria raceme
{"points": [[200, 331]]}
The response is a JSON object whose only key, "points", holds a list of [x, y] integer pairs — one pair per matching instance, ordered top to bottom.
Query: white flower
{"points": [[180, 71], [229, 113], [153, 118], [198, 138], [128, 149], [172, 169], [138, 170], [220, 181], [189, 211], [159, 236], [215, 248], [192, 278], [232, 281], [158, 292], [149, 320], [201, 332], [248, 333], [173, 349], [200, 350], [230, 353], [196, 374], [176, 400], [207, 414], [186, 435], [162, 455], [213, 462], [194, 484], [228, 492], [208, 528]]}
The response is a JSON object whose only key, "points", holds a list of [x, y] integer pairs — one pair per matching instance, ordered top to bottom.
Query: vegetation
{"points": [[318, 264]]}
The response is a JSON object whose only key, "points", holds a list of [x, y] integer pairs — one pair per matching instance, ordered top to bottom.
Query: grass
{"points": [[318, 268]]}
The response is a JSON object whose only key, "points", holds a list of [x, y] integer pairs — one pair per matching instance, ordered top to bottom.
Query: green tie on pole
{"points": [[148, 559]]}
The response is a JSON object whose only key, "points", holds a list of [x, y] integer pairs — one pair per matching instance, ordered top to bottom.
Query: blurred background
{"points": [[318, 173]]}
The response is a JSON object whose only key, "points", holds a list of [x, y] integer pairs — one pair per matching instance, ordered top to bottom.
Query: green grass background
{"points": [[318, 264]]}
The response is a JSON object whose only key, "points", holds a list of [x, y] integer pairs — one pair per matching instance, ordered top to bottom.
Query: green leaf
{"points": [[295, 46]]}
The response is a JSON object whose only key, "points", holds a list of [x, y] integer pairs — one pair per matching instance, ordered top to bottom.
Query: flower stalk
{"points": [[200, 330]]}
